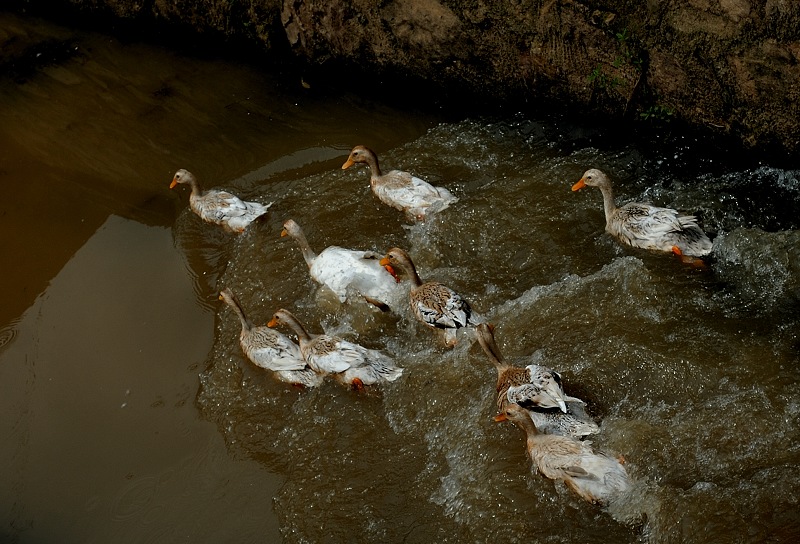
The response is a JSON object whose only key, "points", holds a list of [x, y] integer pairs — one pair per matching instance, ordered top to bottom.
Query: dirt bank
{"points": [[728, 66]]}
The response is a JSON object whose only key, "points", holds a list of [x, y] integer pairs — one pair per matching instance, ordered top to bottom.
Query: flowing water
{"points": [[130, 415]]}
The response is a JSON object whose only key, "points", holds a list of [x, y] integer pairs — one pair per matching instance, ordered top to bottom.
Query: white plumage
{"points": [[400, 190], [219, 207], [342, 270]]}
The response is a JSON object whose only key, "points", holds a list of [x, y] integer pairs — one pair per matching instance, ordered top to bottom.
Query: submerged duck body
{"points": [[415, 197], [219, 207], [645, 226], [341, 269], [434, 304], [271, 350], [349, 363], [595, 477]]}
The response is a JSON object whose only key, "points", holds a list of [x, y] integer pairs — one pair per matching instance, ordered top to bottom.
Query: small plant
{"points": [[601, 79], [657, 113]]}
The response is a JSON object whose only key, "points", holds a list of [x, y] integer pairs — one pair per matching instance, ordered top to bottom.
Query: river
{"points": [[129, 413]]}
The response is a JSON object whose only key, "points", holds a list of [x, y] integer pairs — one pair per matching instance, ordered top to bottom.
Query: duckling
{"points": [[409, 194], [219, 207], [648, 227], [337, 269], [434, 304], [271, 350], [349, 363], [594, 477]]}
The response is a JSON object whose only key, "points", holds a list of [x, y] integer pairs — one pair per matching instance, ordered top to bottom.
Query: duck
{"points": [[415, 197], [219, 207], [648, 227], [340, 269], [434, 304], [270, 349], [349, 363], [533, 385], [536, 389], [595, 477]]}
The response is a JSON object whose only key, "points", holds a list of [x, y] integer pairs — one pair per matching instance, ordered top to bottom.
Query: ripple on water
{"points": [[655, 349]]}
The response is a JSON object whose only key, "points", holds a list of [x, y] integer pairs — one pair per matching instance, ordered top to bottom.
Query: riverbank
{"points": [[729, 69]]}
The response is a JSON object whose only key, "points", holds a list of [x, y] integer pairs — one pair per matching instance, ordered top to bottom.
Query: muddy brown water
{"points": [[129, 413]]}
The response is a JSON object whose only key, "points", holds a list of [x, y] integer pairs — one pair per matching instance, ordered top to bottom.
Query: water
{"points": [[129, 413]]}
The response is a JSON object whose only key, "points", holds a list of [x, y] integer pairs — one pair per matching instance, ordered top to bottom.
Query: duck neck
{"points": [[374, 167], [196, 190], [608, 201], [305, 248], [411, 271], [292, 322], [246, 324], [527, 425]]}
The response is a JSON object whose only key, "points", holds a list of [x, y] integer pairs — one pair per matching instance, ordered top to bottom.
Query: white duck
{"points": [[399, 189], [219, 207], [646, 226], [339, 269], [434, 304], [271, 350], [349, 363], [595, 477]]}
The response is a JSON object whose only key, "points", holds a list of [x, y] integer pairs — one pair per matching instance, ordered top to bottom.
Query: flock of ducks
{"points": [[533, 398]]}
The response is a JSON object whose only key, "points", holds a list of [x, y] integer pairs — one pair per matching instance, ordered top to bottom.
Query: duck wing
{"points": [[440, 307], [272, 350], [332, 355]]}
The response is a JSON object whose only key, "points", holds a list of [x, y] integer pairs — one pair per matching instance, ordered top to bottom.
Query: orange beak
{"points": [[348, 163], [173, 184], [580, 185], [284, 233], [385, 263], [272, 323], [500, 417]]}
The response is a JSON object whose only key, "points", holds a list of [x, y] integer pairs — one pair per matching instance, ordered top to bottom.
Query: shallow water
{"points": [[131, 414]]}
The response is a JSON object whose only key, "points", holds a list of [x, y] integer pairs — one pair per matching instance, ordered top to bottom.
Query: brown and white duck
{"points": [[415, 197], [219, 207], [646, 226], [434, 304], [271, 350], [351, 364], [538, 390], [595, 477]]}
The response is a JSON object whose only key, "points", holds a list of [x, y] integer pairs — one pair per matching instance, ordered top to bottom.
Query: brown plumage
{"points": [[434, 304], [536, 389]]}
